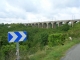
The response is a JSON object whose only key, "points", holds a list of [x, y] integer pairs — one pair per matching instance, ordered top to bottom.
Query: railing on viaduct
{"points": [[52, 24]]}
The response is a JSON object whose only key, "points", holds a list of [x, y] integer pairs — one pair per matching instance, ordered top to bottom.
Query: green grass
{"points": [[54, 53]]}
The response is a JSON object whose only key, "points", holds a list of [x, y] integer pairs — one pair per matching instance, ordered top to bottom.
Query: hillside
{"points": [[42, 44]]}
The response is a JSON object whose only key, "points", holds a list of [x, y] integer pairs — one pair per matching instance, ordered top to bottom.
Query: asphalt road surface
{"points": [[73, 53]]}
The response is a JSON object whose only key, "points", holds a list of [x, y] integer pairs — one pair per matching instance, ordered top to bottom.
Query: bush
{"points": [[65, 27], [44, 38], [55, 39], [40, 40]]}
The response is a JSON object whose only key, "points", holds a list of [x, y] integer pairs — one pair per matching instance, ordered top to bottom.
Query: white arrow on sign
{"points": [[14, 36], [23, 36]]}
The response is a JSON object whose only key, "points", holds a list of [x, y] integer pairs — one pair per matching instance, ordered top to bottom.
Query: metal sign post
{"points": [[17, 50]]}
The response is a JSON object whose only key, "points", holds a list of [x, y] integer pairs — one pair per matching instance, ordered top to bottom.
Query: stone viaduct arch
{"points": [[52, 24]]}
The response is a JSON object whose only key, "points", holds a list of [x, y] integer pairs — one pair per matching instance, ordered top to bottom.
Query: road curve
{"points": [[73, 53]]}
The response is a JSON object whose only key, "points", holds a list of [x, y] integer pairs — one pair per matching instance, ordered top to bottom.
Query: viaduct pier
{"points": [[52, 24]]}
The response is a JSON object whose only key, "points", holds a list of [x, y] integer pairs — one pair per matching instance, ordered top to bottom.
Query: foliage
{"points": [[63, 28], [75, 31], [37, 38], [44, 38], [57, 38], [54, 53]]}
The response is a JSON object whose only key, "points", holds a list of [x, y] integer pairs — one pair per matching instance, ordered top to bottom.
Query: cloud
{"points": [[65, 3], [26, 5], [38, 10]]}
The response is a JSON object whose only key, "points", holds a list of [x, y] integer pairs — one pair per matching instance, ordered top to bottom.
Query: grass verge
{"points": [[54, 53]]}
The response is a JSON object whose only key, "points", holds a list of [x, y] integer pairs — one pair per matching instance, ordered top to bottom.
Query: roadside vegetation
{"points": [[42, 43]]}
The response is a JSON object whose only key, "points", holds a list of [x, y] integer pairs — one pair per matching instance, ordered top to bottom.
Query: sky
{"points": [[28, 11]]}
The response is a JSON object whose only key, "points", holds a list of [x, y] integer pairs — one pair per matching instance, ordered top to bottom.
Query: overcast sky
{"points": [[25, 11]]}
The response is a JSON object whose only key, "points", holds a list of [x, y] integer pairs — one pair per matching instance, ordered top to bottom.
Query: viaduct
{"points": [[52, 24]]}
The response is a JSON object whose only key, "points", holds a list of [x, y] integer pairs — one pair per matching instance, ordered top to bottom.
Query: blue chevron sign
{"points": [[17, 36]]}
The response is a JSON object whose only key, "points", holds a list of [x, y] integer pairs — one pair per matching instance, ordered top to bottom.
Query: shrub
{"points": [[40, 39], [55, 39]]}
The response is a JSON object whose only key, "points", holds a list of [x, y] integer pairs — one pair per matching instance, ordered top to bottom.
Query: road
{"points": [[73, 53]]}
